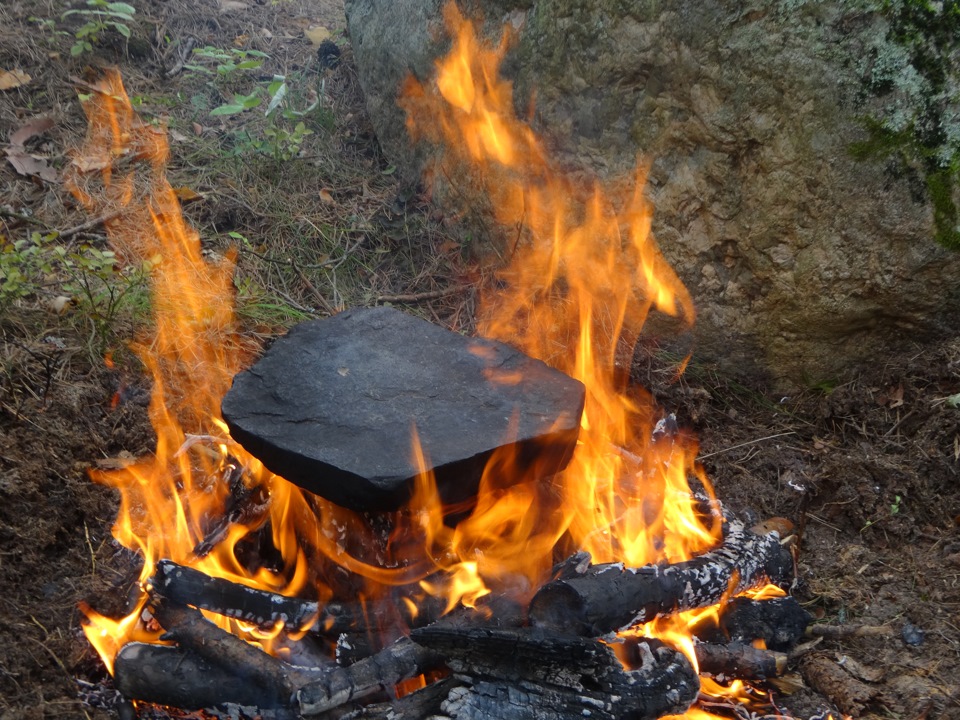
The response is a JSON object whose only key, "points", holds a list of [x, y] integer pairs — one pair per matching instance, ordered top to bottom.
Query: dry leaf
{"points": [[317, 34], [241, 40], [10, 79], [34, 127], [197, 128], [91, 164], [28, 165], [185, 194], [326, 196], [449, 246], [60, 304]]}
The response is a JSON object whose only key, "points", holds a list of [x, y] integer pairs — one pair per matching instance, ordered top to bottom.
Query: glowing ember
{"points": [[578, 291]]}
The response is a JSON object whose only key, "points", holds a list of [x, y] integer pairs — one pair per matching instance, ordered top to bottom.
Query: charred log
{"points": [[188, 586], [610, 597], [780, 622], [189, 629], [738, 660], [521, 673], [172, 676], [339, 686]]}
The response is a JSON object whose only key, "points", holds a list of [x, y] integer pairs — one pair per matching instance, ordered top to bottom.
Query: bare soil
{"points": [[867, 470]]}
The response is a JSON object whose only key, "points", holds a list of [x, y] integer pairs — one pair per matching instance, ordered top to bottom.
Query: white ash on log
{"points": [[330, 408], [188, 586], [608, 598], [524, 673]]}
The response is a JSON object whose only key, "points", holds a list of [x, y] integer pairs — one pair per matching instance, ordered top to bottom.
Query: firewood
{"points": [[188, 586], [610, 597], [779, 622], [188, 628], [738, 660], [522, 673], [169, 675], [338, 686]]}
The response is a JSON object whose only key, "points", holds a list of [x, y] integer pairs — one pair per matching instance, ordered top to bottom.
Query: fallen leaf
{"points": [[316, 34], [241, 40], [10, 79], [34, 127], [197, 128], [91, 164], [28, 165], [185, 194], [326, 196], [449, 246], [60, 304], [896, 396]]}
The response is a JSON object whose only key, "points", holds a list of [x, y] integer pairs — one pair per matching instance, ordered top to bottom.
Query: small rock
{"points": [[912, 635]]}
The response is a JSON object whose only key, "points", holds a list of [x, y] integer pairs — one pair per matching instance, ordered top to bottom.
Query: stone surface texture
{"points": [[804, 262], [332, 407]]}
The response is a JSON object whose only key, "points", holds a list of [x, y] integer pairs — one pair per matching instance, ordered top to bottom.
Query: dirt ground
{"points": [[867, 470]]}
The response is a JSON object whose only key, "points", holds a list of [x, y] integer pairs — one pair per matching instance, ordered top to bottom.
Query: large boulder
{"points": [[798, 187]]}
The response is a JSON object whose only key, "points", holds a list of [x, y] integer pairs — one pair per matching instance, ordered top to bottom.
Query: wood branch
{"points": [[91, 224], [422, 296], [188, 586], [610, 597], [189, 629], [849, 631], [739, 660], [382, 671], [521, 673], [172, 676], [424, 703]]}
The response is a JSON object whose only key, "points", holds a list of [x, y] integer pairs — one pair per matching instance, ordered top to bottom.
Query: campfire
{"points": [[380, 518]]}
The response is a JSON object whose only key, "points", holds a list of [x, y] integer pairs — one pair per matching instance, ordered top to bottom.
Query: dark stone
{"points": [[333, 404]]}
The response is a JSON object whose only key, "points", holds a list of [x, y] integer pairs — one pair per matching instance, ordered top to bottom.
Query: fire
{"points": [[578, 291]]}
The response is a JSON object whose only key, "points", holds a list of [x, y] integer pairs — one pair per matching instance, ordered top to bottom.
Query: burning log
{"points": [[188, 586], [610, 597], [779, 622], [738, 660], [522, 673], [172, 676]]}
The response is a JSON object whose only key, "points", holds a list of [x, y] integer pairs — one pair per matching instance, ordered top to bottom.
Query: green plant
{"points": [[101, 16], [228, 62], [39, 267]]}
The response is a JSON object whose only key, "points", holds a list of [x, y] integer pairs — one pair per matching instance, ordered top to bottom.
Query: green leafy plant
{"points": [[101, 16], [228, 62], [38, 266]]}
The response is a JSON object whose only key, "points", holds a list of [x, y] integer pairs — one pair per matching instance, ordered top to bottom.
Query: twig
{"points": [[178, 67], [22, 218], [92, 223], [313, 290], [418, 297], [745, 444], [848, 631]]}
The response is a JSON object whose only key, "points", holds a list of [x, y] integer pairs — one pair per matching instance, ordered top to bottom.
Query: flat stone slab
{"points": [[333, 404]]}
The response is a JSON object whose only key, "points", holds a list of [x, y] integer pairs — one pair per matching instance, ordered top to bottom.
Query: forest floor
{"points": [[866, 469]]}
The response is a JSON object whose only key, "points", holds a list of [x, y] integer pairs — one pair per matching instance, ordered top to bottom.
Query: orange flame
{"points": [[579, 289]]}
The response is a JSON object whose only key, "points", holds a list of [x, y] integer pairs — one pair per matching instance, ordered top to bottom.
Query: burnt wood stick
{"points": [[188, 586], [610, 597], [779, 622], [189, 629], [402, 659], [738, 660], [382, 671], [521, 673], [172, 676], [423, 703]]}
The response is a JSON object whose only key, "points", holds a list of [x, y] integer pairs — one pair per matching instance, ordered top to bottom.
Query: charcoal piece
{"points": [[332, 406], [779, 622]]}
